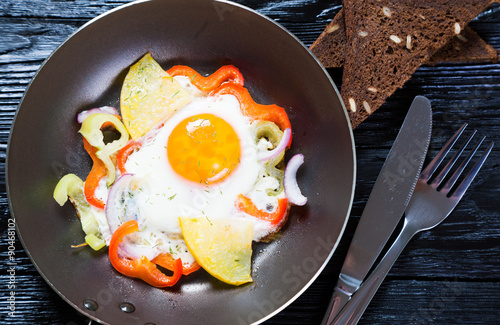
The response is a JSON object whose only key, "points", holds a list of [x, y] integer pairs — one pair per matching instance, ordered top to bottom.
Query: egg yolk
{"points": [[203, 148]]}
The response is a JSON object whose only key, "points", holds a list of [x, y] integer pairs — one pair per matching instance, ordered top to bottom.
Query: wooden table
{"points": [[448, 275]]}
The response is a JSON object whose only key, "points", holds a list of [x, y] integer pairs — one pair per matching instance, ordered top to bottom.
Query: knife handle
{"points": [[344, 288], [338, 301], [356, 306]]}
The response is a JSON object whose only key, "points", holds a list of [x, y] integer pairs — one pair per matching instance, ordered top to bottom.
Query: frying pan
{"points": [[87, 71]]}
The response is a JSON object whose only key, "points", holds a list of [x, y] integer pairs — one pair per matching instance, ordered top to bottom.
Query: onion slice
{"points": [[105, 109], [270, 154], [292, 190], [120, 205], [134, 251]]}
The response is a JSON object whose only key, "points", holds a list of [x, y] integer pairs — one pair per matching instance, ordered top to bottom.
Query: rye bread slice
{"points": [[387, 40], [329, 47], [468, 47]]}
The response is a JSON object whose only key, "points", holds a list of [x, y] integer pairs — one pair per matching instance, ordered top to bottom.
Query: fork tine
{"points": [[431, 168], [439, 178], [449, 184], [462, 188]]}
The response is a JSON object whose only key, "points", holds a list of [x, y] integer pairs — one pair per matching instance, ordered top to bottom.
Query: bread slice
{"points": [[387, 40], [329, 47], [467, 47]]}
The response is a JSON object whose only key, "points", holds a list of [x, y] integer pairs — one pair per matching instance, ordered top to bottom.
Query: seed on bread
{"points": [[387, 11], [333, 28], [458, 29], [363, 33], [395, 39], [408, 42], [352, 104], [367, 107]]}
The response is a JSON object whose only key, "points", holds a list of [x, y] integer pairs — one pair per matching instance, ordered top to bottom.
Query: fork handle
{"points": [[356, 306]]}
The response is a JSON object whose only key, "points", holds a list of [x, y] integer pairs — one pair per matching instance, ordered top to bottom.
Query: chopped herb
{"points": [[178, 91], [172, 197]]}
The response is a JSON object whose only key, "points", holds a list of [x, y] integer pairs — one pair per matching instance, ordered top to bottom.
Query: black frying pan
{"points": [[88, 70]]}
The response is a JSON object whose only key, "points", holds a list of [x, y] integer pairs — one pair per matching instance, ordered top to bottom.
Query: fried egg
{"points": [[195, 165]]}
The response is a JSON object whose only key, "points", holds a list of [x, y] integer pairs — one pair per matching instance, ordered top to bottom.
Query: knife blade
{"points": [[386, 204]]}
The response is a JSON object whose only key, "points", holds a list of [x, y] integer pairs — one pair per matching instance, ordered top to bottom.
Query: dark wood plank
{"points": [[74, 10], [33, 40]]}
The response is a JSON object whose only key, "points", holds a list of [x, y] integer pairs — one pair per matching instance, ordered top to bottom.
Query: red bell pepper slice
{"points": [[227, 73], [253, 110], [123, 153], [97, 172], [246, 205], [168, 262], [140, 268]]}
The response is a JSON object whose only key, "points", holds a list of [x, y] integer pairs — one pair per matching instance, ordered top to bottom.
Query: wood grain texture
{"points": [[448, 275]]}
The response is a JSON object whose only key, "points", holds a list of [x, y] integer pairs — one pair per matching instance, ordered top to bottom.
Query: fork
{"points": [[432, 201]]}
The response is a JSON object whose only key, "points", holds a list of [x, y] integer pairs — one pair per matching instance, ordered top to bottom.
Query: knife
{"points": [[387, 202]]}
